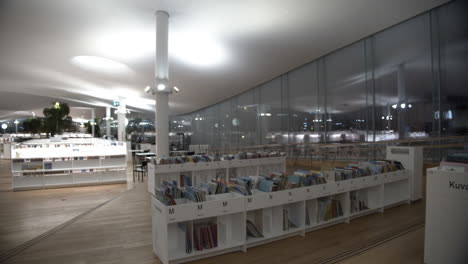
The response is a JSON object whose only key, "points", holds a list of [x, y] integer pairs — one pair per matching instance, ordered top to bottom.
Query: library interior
{"points": [[262, 131]]}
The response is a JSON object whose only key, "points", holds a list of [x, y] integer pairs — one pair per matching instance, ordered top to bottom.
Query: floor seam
{"points": [[372, 244], [14, 251]]}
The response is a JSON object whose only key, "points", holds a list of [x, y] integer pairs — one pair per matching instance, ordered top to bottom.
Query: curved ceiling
{"points": [[217, 48]]}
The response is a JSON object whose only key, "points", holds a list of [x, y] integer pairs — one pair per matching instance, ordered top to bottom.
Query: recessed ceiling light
{"points": [[125, 43], [197, 49], [99, 64], [161, 86]]}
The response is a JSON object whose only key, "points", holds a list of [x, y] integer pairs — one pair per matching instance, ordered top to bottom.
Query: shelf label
{"points": [[270, 197], [290, 198], [249, 200], [225, 206], [200, 209]]}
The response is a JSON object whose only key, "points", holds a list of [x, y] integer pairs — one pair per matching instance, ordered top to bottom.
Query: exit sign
{"points": [[116, 103]]}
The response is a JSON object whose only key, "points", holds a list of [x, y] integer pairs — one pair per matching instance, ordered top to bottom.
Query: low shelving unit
{"points": [[5, 147], [38, 164], [276, 215], [445, 223]]}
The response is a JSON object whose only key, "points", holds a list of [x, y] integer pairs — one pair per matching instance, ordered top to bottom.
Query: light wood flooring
{"points": [[27, 214], [120, 232], [407, 249]]}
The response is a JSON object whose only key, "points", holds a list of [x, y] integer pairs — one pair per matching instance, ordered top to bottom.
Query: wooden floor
{"points": [[27, 214], [120, 232], [407, 249]]}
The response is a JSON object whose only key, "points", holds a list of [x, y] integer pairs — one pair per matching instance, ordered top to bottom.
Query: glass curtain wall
{"points": [[403, 80], [408, 81], [346, 95]]}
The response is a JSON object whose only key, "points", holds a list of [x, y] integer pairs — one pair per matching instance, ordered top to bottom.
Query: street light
{"points": [[16, 125]]}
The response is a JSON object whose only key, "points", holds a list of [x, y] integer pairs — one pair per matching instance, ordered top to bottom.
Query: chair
{"points": [[139, 170]]}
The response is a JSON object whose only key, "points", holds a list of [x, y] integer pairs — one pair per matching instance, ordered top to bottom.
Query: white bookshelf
{"points": [[5, 147], [412, 159], [38, 164], [266, 210], [446, 217]]}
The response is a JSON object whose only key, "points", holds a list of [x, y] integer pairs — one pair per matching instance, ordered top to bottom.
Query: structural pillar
{"points": [[162, 78], [401, 86], [121, 110], [92, 121], [108, 123]]}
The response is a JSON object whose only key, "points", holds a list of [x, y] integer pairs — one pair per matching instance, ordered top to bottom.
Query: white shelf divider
{"points": [[37, 165], [266, 210], [446, 217]]}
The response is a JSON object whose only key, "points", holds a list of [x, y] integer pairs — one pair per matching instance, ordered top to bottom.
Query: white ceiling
{"points": [[217, 48]]}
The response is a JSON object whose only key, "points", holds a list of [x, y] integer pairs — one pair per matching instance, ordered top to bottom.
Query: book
{"points": [[266, 185], [328, 209], [253, 230], [205, 236], [188, 237]]}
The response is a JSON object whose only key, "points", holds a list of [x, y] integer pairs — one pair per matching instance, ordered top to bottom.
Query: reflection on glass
{"points": [[409, 81]]}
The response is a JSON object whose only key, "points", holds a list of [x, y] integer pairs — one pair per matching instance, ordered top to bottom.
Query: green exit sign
{"points": [[116, 103]]}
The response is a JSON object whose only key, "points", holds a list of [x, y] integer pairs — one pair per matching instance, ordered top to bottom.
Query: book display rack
{"points": [[5, 147], [38, 164], [446, 202], [187, 228]]}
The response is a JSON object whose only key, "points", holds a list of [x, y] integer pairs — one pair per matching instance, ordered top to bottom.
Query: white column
{"points": [[162, 76], [401, 83], [401, 86], [122, 109], [92, 121], [108, 123], [16, 125]]}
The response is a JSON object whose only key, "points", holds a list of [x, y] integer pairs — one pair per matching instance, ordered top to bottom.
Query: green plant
{"points": [[56, 118], [33, 125], [97, 129]]}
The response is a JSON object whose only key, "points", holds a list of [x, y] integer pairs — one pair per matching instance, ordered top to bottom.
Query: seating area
{"points": [[140, 164]]}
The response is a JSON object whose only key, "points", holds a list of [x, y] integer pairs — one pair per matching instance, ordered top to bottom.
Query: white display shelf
{"points": [[86, 147], [5, 150], [412, 160], [38, 164], [190, 166], [205, 171], [264, 209], [445, 237]]}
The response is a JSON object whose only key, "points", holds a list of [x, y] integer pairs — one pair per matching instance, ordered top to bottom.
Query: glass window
{"points": [[453, 33], [403, 80], [346, 95], [304, 110], [270, 112]]}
